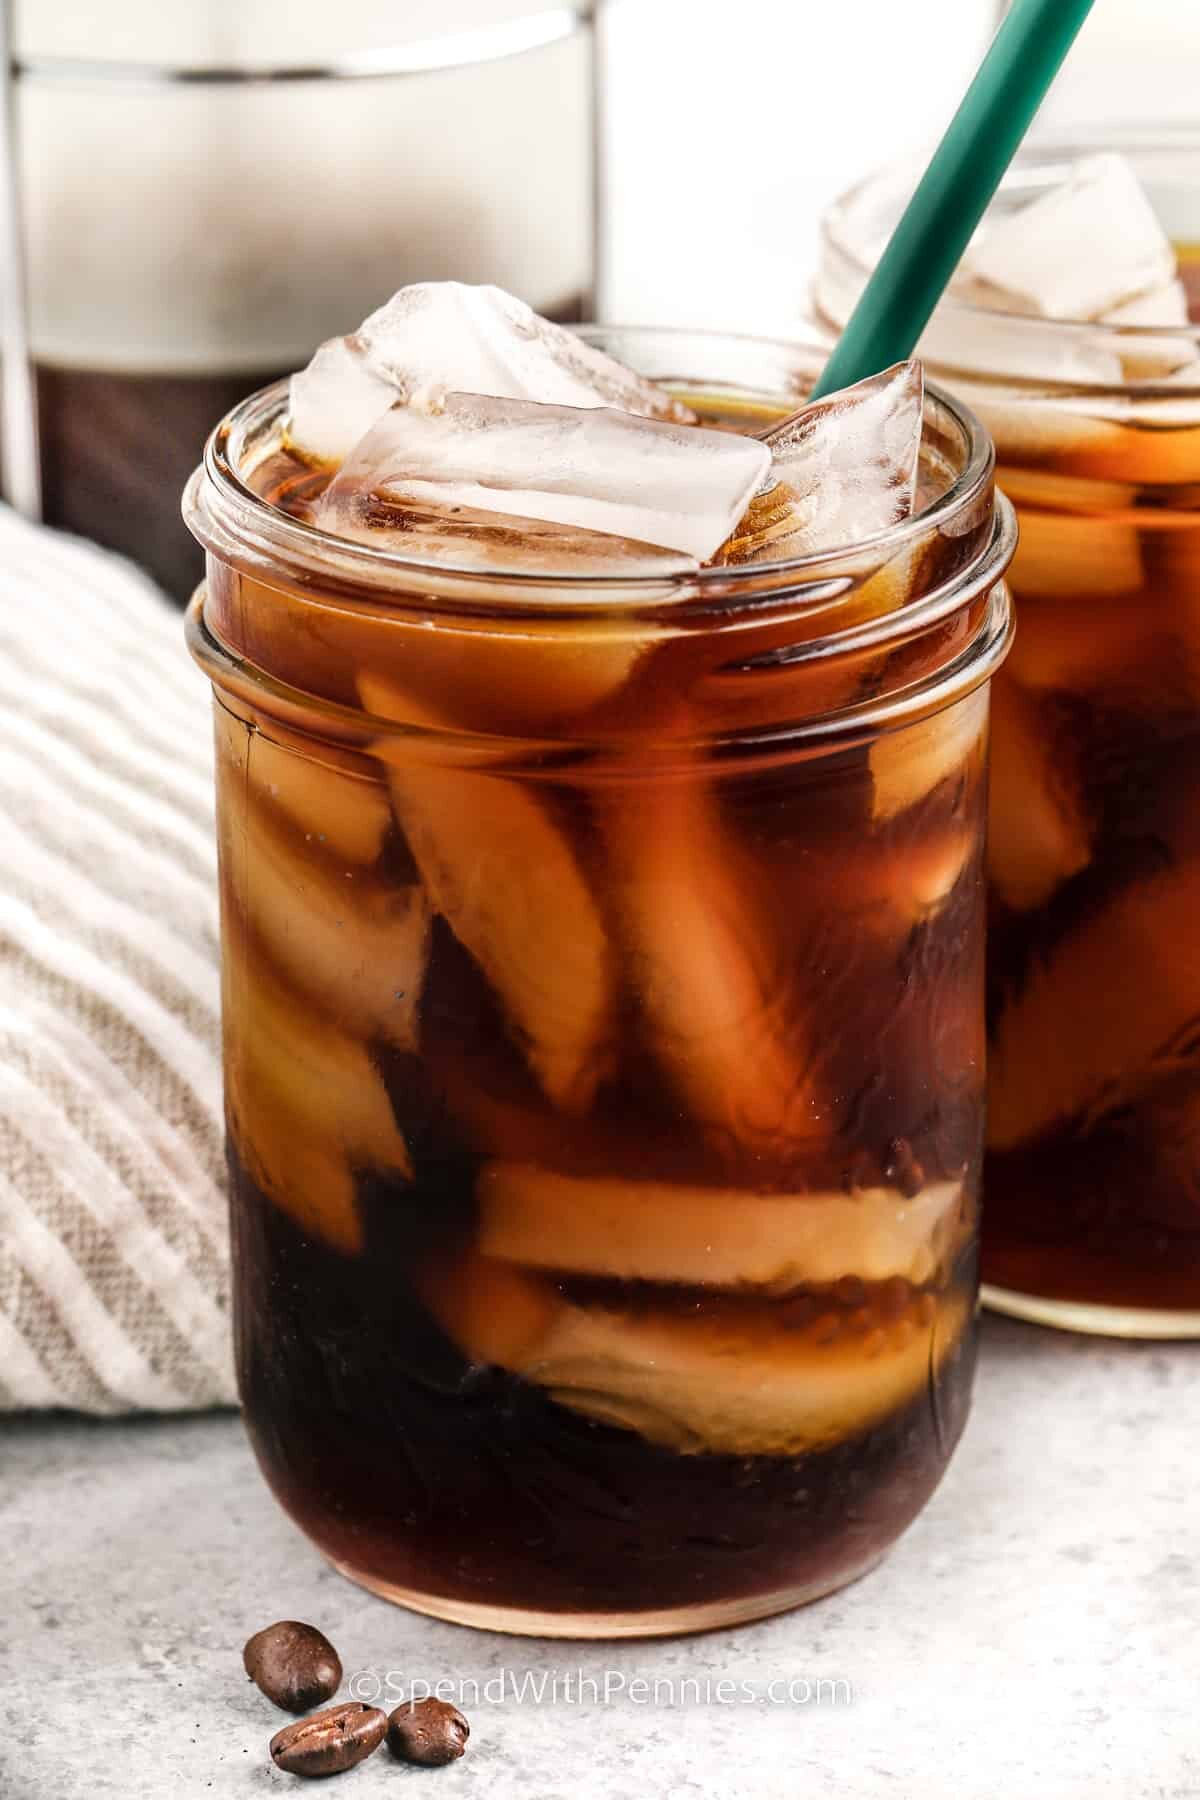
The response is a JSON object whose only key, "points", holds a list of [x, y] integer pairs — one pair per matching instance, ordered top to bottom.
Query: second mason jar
{"points": [[604, 1037], [1092, 1215]]}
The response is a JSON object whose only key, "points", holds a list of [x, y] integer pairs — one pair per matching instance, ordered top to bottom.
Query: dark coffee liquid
{"points": [[1103, 1206], [1098, 1216], [404, 1461], [426, 1465]]}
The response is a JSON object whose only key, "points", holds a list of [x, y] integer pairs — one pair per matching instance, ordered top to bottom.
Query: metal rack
{"points": [[20, 471]]}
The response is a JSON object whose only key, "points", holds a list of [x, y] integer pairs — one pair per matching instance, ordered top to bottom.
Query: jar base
{"points": [[1084, 1316], [671, 1622]]}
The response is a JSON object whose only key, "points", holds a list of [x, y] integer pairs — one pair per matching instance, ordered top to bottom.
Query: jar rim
{"points": [[1031, 168], [238, 524], [973, 663]]}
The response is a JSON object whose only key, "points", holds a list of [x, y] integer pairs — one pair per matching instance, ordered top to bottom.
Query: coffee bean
{"points": [[295, 1665], [430, 1732], [329, 1742]]}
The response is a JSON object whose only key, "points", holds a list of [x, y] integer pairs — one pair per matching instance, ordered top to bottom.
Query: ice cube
{"points": [[1083, 247], [1166, 305], [438, 337], [969, 338], [1147, 356], [335, 401], [1119, 437], [845, 468], [590, 469], [462, 537], [1062, 554], [1116, 649], [459, 674], [909, 761], [336, 811], [1039, 833], [505, 878], [904, 879], [350, 941], [354, 942], [714, 987], [1096, 1007], [306, 1106], [657, 1231], [728, 1380]]}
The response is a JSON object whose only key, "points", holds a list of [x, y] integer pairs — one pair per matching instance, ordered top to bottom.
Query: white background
{"points": [[734, 122], [234, 228]]}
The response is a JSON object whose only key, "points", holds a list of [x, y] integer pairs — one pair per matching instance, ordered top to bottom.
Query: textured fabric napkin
{"points": [[114, 1286]]}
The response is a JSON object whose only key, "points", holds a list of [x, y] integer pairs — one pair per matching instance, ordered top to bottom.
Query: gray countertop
{"points": [[1036, 1633]]}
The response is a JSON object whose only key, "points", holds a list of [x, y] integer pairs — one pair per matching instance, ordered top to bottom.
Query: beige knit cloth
{"points": [[114, 1284]]}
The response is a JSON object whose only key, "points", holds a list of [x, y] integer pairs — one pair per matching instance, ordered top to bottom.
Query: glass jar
{"points": [[603, 993], [1093, 1171]]}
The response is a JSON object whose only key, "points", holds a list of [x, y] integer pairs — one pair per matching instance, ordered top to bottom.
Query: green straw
{"points": [[967, 166]]}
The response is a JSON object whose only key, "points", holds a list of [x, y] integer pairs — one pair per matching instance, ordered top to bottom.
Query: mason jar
{"points": [[604, 1035], [1092, 1218]]}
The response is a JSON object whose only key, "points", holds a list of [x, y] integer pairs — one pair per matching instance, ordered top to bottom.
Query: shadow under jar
{"points": [[603, 988], [1092, 1215]]}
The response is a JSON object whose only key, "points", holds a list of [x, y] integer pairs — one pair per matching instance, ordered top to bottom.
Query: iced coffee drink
{"points": [[1073, 327], [602, 764]]}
